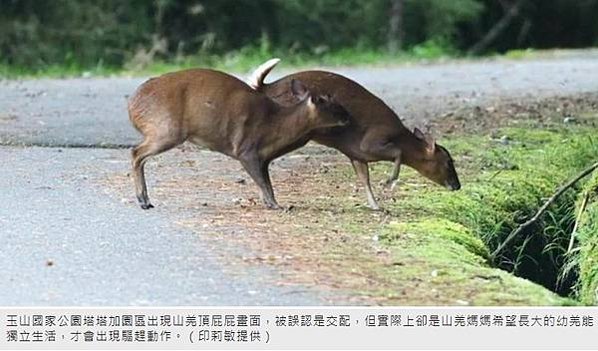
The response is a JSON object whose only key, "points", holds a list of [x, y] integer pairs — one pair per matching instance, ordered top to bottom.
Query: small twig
{"points": [[495, 174], [543, 209], [574, 231]]}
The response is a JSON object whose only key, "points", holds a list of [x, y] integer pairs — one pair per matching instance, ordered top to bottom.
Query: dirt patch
{"points": [[509, 112]]}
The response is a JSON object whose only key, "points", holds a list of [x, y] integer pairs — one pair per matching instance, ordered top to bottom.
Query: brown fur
{"points": [[221, 113], [375, 132]]}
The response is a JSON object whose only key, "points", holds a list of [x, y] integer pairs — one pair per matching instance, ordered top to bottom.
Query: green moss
{"points": [[505, 180], [505, 183], [441, 229], [452, 265]]}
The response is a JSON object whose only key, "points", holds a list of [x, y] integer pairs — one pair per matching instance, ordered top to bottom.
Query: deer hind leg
{"points": [[140, 154], [258, 170], [363, 173], [393, 179], [269, 191]]}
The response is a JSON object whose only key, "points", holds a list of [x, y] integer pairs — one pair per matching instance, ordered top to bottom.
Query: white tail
{"points": [[256, 80]]}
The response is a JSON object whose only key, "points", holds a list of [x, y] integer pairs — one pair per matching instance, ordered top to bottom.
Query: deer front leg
{"points": [[379, 147], [258, 170], [363, 173], [392, 181]]}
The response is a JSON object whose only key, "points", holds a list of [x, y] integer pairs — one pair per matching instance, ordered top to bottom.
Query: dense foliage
{"points": [[111, 32]]}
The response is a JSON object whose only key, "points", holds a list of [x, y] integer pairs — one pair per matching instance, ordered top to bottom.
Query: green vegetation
{"points": [[70, 37], [244, 60], [506, 179], [585, 255], [451, 264]]}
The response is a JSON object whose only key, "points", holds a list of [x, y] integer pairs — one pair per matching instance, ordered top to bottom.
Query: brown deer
{"points": [[222, 113], [375, 133]]}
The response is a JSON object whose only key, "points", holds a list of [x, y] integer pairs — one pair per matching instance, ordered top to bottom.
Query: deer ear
{"points": [[299, 90], [419, 134], [427, 138], [430, 143]]}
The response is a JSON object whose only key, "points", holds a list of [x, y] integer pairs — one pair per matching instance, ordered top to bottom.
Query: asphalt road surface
{"points": [[64, 241]]}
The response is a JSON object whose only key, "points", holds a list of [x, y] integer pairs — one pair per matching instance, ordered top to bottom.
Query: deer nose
{"points": [[455, 184], [452, 185]]}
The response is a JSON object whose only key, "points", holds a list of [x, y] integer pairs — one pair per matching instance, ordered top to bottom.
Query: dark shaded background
{"points": [[110, 32]]}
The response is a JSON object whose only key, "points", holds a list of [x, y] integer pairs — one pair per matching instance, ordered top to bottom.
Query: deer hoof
{"points": [[389, 184], [144, 203], [147, 206], [273, 206], [375, 207]]}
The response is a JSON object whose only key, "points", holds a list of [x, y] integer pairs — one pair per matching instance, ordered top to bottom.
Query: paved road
{"points": [[64, 241]]}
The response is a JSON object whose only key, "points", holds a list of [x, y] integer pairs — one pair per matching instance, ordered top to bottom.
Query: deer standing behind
{"points": [[222, 113], [375, 134]]}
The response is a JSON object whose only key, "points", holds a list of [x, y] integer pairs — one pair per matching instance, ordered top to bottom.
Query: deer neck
{"points": [[413, 149]]}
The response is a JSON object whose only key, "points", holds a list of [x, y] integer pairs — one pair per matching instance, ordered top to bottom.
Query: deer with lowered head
{"points": [[222, 113], [375, 134]]}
